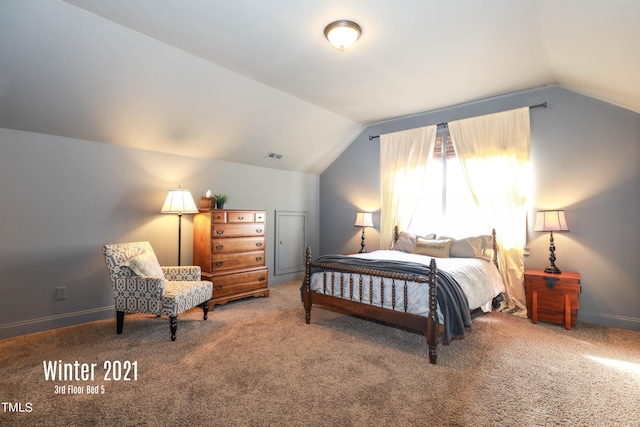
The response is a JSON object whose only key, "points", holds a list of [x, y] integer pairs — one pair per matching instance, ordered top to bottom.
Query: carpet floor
{"points": [[255, 362]]}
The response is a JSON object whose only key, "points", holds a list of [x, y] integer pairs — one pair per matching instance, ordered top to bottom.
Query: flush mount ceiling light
{"points": [[342, 34]]}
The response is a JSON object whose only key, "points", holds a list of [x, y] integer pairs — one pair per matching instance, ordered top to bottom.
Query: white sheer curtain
{"points": [[494, 153], [403, 164]]}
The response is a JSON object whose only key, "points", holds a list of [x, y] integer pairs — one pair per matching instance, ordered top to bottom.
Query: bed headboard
{"points": [[494, 257]]}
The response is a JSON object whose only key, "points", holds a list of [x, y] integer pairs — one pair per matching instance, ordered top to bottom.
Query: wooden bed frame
{"points": [[428, 325]]}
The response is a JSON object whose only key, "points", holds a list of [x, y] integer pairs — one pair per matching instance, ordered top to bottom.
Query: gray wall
{"points": [[586, 160], [62, 199]]}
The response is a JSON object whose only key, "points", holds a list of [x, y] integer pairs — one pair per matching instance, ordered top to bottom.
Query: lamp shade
{"points": [[342, 34], [179, 201], [364, 219], [553, 220]]}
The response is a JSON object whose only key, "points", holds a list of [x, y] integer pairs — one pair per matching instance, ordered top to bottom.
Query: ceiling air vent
{"points": [[274, 156]]}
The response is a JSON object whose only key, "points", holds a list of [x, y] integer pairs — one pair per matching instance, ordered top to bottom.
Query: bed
{"points": [[408, 289]]}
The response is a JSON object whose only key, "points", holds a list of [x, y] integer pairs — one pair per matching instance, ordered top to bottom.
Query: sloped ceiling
{"points": [[235, 80]]}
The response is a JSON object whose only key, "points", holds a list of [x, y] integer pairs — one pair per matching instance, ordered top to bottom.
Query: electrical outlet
{"points": [[61, 292]]}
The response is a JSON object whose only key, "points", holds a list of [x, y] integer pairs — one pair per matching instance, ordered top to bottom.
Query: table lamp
{"points": [[363, 219], [552, 220]]}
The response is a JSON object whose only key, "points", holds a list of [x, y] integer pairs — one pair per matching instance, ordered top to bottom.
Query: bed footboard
{"points": [[354, 287]]}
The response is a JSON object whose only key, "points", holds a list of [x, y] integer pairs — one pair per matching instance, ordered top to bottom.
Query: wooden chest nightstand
{"points": [[552, 297]]}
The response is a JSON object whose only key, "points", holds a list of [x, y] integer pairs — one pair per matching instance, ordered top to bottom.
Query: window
{"points": [[447, 206]]}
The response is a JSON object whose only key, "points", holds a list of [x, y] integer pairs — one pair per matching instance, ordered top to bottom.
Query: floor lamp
{"points": [[179, 202]]}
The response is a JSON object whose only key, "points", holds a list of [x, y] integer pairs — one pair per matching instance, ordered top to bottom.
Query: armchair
{"points": [[141, 285]]}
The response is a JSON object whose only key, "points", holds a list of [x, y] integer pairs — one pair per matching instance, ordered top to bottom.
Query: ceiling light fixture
{"points": [[342, 34]]}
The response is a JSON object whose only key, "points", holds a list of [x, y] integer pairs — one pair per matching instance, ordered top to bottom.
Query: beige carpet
{"points": [[256, 363]]}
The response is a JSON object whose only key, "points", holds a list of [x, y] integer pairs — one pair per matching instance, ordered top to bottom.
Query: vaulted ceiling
{"points": [[236, 79]]}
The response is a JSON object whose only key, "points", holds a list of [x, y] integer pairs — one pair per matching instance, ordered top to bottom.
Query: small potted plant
{"points": [[220, 199]]}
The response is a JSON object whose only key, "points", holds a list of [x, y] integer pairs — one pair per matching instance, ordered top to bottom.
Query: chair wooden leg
{"points": [[205, 308], [119, 321], [173, 325]]}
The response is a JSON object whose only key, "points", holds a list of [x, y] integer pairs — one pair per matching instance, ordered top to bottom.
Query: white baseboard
{"points": [[611, 320], [45, 323]]}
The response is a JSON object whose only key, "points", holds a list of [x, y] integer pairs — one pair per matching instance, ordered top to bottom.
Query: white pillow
{"points": [[407, 241], [473, 247], [435, 248], [144, 264]]}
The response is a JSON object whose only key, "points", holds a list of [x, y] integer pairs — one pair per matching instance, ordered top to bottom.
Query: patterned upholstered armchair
{"points": [[141, 285]]}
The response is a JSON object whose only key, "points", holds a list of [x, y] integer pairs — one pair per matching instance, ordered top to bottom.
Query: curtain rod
{"points": [[445, 124]]}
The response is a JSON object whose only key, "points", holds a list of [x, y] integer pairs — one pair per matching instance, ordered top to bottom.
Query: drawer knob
{"points": [[240, 218], [258, 230], [219, 231], [259, 244], [258, 258], [219, 263], [262, 279], [551, 282], [218, 287]]}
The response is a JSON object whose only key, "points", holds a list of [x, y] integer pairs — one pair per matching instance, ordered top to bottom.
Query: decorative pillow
{"points": [[407, 241], [473, 247], [435, 248], [144, 264]]}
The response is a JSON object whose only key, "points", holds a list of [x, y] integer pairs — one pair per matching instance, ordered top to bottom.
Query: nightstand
{"points": [[552, 297]]}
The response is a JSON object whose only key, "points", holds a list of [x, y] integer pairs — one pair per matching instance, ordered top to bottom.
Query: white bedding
{"points": [[479, 279]]}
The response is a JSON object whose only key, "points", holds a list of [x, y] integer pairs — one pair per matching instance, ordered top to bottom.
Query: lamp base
{"points": [[362, 249], [552, 269]]}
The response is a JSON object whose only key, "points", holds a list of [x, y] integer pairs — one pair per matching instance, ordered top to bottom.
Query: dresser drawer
{"points": [[225, 216], [219, 217], [234, 217], [237, 230], [237, 244], [232, 261], [238, 284]]}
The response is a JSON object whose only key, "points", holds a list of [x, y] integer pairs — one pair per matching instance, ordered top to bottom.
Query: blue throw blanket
{"points": [[452, 301]]}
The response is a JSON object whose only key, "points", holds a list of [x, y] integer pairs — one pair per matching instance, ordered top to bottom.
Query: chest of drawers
{"points": [[230, 247]]}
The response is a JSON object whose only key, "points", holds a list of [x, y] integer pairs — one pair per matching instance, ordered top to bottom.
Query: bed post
{"points": [[306, 292], [434, 329]]}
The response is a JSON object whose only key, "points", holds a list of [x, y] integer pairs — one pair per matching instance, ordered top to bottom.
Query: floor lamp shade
{"points": [[179, 202]]}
